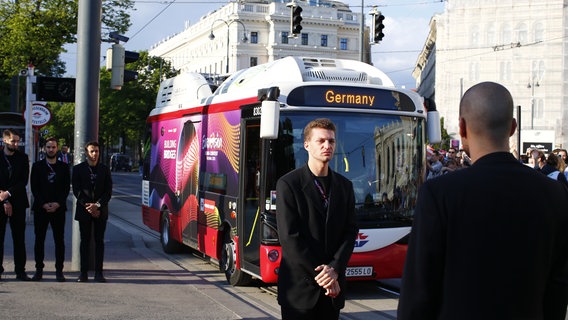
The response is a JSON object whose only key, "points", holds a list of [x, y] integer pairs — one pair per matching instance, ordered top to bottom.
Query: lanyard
{"points": [[8, 164], [49, 165], [324, 196]]}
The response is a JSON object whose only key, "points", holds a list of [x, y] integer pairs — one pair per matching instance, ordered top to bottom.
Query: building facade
{"points": [[243, 34], [518, 43]]}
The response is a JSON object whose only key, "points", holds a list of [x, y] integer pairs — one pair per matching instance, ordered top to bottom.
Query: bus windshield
{"points": [[381, 154]]}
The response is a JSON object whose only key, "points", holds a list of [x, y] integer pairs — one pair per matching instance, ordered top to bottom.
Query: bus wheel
{"points": [[169, 245], [228, 263]]}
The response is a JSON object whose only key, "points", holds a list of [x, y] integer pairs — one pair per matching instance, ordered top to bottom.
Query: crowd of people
{"points": [[440, 162]]}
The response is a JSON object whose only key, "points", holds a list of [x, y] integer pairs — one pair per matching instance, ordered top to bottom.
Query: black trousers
{"points": [[42, 220], [98, 227], [18, 228], [323, 310]]}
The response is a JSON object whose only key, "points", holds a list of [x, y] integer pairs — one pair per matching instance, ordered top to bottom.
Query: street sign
{"points": [[55, 89], [40, 115]]}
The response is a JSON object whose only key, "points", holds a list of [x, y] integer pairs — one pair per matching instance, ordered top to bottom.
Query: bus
{"points": [[212, 160]]}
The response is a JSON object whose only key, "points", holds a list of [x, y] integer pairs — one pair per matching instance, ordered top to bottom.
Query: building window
{"points": [[538, 32], [522, 33], [491, 34], [506, 34], [475, 36], [254, 37], [284, 37], [304, 39], [324, 40], [343, 44], [253, 61], [505, 70], [538, 70], [473, 71]]}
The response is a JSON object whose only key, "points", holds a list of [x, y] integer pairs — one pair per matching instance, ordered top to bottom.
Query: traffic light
{"points": [[296, 20], [378, 27], [117, 58]]}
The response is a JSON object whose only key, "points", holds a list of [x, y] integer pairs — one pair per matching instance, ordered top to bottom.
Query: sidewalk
{"points": [[141, 283]]}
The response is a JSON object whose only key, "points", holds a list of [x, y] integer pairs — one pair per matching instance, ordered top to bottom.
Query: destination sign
{"points": [[350, 97]]}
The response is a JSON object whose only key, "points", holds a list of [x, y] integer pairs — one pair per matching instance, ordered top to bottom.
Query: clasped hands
{"points": [[51, 207], [93, 209], [327, 279]]}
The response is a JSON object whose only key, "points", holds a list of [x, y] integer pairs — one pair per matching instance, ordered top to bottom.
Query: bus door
{"points": [[186, 179], [248, 219]]}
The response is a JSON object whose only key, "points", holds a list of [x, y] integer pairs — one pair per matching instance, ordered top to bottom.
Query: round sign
{"points": [[40, 115]]}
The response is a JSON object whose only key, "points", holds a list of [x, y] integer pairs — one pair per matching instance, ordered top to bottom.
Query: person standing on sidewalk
{"points": [[14, 171], [50, 184], [92, 186], [317, 229], [479, 247]]}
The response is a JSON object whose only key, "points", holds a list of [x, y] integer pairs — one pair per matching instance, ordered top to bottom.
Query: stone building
{"points": [[244, 34], [518, 43]]}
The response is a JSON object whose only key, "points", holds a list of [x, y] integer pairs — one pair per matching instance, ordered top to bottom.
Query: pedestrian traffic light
{"points": [[296, 20], [378, 27], [117, 58]]}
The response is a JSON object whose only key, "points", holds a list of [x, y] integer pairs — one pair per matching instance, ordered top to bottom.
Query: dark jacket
{"points": [[17, 181], [42, 188], [85, 192], [308, 239], [488, 242]]}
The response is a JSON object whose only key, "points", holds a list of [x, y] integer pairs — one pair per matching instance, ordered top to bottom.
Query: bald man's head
{"points": [[487, 109]]}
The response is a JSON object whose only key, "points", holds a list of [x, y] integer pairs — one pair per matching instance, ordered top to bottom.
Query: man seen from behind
{"points": [[485, 249]]}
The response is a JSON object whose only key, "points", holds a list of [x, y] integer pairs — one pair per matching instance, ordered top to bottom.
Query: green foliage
{"points": [[36, 31], [123, 112]]}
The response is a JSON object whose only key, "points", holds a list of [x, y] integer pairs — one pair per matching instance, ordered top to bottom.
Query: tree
{"points": [[35, 32], [123, 112]]}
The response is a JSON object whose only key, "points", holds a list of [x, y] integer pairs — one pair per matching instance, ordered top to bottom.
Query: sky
{"points": [[406, 27]]}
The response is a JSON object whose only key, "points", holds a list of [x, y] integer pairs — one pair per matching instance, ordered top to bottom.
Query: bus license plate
{"points": [[359, 272]]}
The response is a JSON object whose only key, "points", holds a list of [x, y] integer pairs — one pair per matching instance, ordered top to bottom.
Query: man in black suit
{"points": [[14, 171], [50, 182], [92, 186], [317, 230], [489, 241]]}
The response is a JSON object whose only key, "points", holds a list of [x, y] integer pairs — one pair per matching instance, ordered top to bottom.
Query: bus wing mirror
{"points": [[270, 114], [433, 128]]}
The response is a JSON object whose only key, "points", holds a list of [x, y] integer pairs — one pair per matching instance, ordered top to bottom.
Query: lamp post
{"points": [[228, 24], [162, 64], [531, 86]]}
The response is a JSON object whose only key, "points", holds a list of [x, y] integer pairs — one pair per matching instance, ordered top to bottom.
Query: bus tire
{"points": [[169, 245], [228, 263]]}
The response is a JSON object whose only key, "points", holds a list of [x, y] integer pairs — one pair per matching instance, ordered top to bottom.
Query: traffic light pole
{"points": [[362, 30], [86, 93]]}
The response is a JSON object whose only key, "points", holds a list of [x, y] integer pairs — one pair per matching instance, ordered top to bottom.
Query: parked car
{"points": [[120, 162]]}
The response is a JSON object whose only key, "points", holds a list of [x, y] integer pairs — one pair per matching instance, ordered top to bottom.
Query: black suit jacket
{"points": [[16, 182], [42, 188], [85, 192], [308, 239], [488, 242]]}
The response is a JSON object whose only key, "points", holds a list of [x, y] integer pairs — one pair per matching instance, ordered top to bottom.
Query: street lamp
{"points": [[228, 23], [531, 86]]}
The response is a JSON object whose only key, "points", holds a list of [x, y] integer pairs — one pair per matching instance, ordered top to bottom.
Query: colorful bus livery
{"points": [[212, 160]]}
